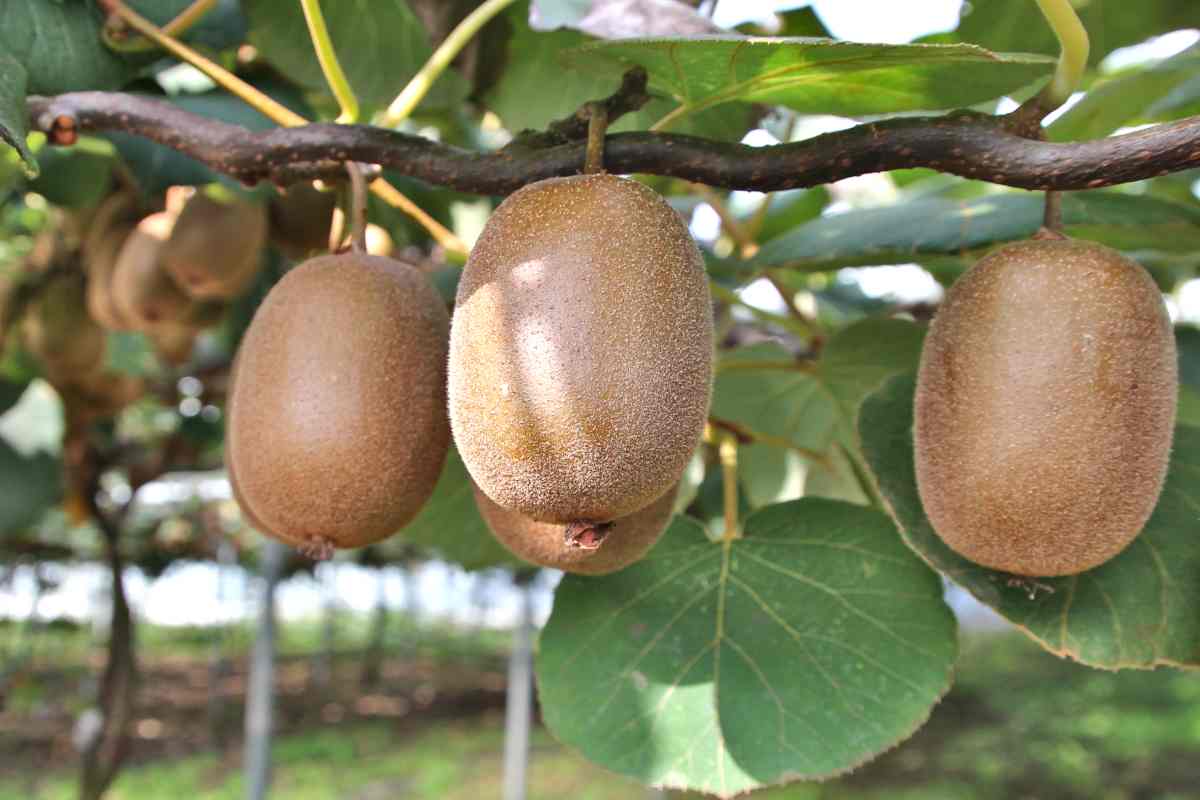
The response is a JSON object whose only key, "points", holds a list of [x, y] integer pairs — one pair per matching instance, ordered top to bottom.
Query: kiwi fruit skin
{"points": [[301, 220], [215, 247], [144, 295], [57, 330], [581, 350], [1045, 407], [337, 425], [543, 543]]}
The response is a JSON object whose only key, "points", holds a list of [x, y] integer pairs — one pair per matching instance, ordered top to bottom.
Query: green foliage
{"points": [[59, 45], [14, 120], [1137, 610], [800, 650]]}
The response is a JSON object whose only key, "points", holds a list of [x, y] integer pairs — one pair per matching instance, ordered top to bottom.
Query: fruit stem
{"points": [[180, 25], [1074, 44], [330, 66], [412, 94], [276, 112], [593, 161], [358, 207], [1052, 219], [727, 452]]}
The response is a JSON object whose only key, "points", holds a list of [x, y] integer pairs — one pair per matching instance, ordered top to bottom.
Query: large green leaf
{"points": [[1007, 25], [222, 26], [58, 43], [380, 44], [818, 76], [1128, 98], [520, 99], [14, 119], [75, 177], [939, 225], [29, 485], [450, 525], [1137, 610], [799, 651]]}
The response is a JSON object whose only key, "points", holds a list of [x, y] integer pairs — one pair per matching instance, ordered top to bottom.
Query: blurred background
{"points": [[394, 672]]}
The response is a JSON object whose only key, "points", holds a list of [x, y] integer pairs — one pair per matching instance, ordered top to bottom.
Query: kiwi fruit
{"points": [[301, 220], [215, 247], [99, 263], [143, 293], [57, 330], [581, 350], [1045, 407], [337, 425], [598, 551]]}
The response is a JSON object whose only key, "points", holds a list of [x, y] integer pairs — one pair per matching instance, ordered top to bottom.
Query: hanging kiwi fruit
{"points": [[301, 220], [215, 247], [143, 293], [58, 331], [581, 351], [1045, 407], [337, 413], [601, 550]]}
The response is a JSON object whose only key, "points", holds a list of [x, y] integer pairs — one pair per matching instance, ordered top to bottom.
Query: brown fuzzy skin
{"points": [[301, 220], [215, 248], [100, 263], [143, 293], [58, 331], [581, 350], [1045, 408], [337, 414], [543, 543]]}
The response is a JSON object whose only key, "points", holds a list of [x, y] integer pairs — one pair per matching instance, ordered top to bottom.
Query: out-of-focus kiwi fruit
{"points": [[301, 219], [106, 232], [215, 247], [143, 293], [57, 330], [581, 351], [1045, 407], [337, 413], [600, 550]]}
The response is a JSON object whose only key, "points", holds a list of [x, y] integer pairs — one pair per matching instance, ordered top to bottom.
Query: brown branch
{"points": [[967, 144]]}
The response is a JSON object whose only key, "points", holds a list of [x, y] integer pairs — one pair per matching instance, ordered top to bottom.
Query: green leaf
{"points": [[1110, 24], [222, 26], [380, 44], [59, 45], [819, 76], [1127, 98], [520, 99], [14, 119], [75, 177], [792, 208], [938, 225], [29, 485], [450, 525], [1137, 610], [799, 651]]}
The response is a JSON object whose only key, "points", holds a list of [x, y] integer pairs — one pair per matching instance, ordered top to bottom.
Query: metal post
{"points": [[260, 689], [519, 706]]}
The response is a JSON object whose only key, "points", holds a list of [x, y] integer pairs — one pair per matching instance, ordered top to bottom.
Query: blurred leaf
{"points": [[803, 22], [1110, 24], [222, 27], [380, 44], [59, 45], [817, 75], [520, 98], [1126, 98], [14, 119], [74, 177], [792, 208], [937, 225], [132, 353], [10, 393], [29, 486], [450, 525], [1137, 610], [799, 651]]}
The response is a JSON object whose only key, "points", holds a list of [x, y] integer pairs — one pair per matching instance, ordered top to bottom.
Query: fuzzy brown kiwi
{"points": [[301, 220], [215, 247], [100, 263], [143, 293], [58, 331], [581, 350], [1045, 408], [337, 413], [588, 550]]}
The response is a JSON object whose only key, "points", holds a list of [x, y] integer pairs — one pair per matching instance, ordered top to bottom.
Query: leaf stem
{"points": [[181, 24], [1074, 44], [330, 66], [412, 94], [682, 110], [278, 113], [358, 207], [727, 452], [863, 476]]}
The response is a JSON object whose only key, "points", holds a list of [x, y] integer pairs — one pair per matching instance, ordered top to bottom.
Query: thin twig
{"points": [[335, 77], [593, 162], [358, 207]]}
